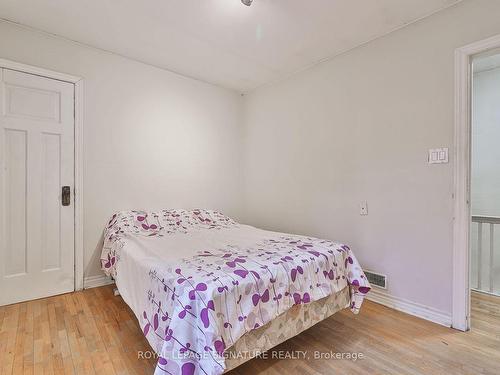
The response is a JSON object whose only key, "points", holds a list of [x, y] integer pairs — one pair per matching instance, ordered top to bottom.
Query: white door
{"points": [[36, 161]]}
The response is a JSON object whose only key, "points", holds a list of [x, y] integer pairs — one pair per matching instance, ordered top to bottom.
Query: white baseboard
{"points": [[95, 281], [485, 292], [412, 308]]}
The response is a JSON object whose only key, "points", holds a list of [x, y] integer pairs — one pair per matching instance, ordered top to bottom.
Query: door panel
{"points": [[32, 103], [36, 159], [51, 184], [15, 202]]}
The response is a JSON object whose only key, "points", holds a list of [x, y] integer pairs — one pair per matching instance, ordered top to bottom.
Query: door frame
{"points": [[78, 168], [462, 178]]}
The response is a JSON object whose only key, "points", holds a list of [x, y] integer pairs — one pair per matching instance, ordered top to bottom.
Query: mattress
{"points": [[204, 286]]}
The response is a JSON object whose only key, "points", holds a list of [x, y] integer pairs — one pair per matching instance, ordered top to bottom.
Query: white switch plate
{"points": [[438, 155], [363, 208]]}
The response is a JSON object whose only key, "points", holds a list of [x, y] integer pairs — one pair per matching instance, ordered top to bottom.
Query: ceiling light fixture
{"points": [[247, 2]]}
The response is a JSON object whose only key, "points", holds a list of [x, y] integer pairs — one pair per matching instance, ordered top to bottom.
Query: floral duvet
{"points": [[198, 281]]}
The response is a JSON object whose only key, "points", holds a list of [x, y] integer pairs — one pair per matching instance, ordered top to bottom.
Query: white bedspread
{"points": [[198, 281]]}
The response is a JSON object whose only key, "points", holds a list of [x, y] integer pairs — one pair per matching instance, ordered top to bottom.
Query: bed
{"points": [[210, 293]]}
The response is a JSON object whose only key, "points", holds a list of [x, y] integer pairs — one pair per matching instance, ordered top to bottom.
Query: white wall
{"points": [[356, 128], [152, 139], [485, 189]]}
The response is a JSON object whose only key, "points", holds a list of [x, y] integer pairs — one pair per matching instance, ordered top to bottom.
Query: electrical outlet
{"points": [[363, 208]]}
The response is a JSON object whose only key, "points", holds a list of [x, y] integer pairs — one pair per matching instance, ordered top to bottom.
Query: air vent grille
{"points": [[376, 279]]}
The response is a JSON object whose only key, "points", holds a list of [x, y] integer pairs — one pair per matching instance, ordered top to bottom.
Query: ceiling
{"points": [[222, 41], [487, 61]]}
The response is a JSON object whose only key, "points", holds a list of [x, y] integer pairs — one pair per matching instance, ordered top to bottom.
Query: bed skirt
{"points": [[289, 324]]}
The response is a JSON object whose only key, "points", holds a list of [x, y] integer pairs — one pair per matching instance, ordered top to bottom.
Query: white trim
{"points": [[13, 65], [78, 188], [461, 193], [461, 217], [96, 281], [485, 292], [412, 308]]}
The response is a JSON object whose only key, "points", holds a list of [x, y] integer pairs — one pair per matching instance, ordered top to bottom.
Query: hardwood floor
{"points": [[93, 332]]}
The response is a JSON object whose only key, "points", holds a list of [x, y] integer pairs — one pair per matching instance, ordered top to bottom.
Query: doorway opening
{"points": [[465, 58], [485, 191]]}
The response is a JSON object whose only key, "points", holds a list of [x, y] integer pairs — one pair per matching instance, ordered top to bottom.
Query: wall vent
{"points": [[376, 279]]}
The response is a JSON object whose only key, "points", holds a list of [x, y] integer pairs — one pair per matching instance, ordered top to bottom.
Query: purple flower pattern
{"points": [[154, 224], [200, 307]]}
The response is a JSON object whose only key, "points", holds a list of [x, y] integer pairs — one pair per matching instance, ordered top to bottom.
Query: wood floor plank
{"points": [[10, 329], [94, 332], [28, 344], [18, 364]]}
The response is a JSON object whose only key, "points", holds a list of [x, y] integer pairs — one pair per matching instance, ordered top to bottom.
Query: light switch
{"points": [[438, 155], [363, 208]]}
